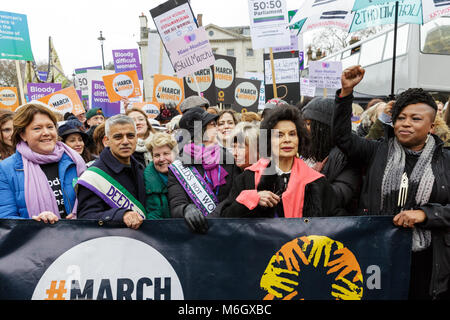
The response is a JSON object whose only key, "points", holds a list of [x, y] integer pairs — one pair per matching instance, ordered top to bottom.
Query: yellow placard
{"points": [[122, 85], [9, 98], [65, 100]]}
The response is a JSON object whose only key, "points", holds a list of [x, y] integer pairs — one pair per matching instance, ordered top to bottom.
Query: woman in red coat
{"points": [[281, 184]]}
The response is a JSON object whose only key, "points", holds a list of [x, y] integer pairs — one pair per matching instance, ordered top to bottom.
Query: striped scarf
{"points": [[420, 185]]}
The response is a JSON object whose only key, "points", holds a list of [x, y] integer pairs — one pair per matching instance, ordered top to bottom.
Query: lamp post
{"points": [[102, 40]]}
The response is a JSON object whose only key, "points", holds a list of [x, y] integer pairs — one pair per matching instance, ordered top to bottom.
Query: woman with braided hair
{"points": [[408, 177]]}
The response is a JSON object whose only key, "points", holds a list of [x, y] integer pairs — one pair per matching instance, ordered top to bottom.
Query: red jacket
{"points": [[308, 193]]}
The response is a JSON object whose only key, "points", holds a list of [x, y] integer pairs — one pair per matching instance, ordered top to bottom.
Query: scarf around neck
{"points": [[141, 148], [209, 157], [420, 184], [39, 196]]}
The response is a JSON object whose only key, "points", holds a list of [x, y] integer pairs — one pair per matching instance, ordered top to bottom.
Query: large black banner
{"points": [[253, 259]]}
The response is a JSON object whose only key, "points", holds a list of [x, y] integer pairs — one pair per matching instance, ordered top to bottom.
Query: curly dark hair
{"points": [[411, 96], [290, 113]]}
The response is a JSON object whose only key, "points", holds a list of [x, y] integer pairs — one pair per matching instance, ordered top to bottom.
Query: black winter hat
{"points": [[319, 109], [189, 118], [70, 127]]}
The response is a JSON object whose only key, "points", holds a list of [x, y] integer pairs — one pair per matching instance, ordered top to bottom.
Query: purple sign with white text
{"points": [[126, 60], [39, 90], [100, 100]]}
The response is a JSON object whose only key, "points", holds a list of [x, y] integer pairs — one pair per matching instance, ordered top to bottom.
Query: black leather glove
{"points": [[195, 219]]}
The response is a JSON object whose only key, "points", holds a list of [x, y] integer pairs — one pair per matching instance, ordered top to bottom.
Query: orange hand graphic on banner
{"points": [[287, 251], [307, 254], [348, 262]]}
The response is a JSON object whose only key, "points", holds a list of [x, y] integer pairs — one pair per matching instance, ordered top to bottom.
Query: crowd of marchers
{"points": [[320, 158]]}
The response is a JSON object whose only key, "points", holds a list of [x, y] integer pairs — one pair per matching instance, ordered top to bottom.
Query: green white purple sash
{"points": [[195, 186], [110, 190]]}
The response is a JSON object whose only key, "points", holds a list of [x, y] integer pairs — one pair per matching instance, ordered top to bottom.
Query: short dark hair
{"points": [[411, 96], [289, 113]]}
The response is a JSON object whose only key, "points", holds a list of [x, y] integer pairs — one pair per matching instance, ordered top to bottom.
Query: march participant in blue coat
{"points": [[37, 180], [113, 189]]}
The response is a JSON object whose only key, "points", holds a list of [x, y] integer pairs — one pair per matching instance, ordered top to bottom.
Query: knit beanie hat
{"points": [[319, 109]]}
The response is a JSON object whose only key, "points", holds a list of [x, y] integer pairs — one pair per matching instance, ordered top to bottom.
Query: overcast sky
{"points": [[75, 25]]}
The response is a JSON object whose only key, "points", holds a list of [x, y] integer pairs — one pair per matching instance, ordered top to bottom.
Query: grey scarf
{"points": [[419, 188]]}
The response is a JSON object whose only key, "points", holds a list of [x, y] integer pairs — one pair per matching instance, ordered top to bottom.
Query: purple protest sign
{"points": [[126, 60], [39, 90], [100, 100]]}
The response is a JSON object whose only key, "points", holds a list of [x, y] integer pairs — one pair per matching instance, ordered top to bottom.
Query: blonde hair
{"points": [[357, 110], [369, 116], [250, 117], [441, 129], [246, 132], [162, 139]]}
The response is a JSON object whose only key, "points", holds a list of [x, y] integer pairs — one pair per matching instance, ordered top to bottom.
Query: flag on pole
{"points": [[55, 70], [31, 74]]}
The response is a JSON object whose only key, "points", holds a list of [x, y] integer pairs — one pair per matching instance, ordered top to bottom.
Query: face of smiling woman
{"points": [[413, 125], [41, 134]]}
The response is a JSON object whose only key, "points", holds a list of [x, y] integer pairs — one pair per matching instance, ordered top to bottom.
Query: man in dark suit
{"points": [[113, 189]]}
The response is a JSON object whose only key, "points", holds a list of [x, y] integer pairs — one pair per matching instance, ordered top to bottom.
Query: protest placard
{"points": [[173, 19], [269, 23], [14, 37], [293, 46], [190, 53], [126, 60], [286, 70], [325, 74], [43, 75], [94, 75], [287, 75], [224, 78], [82, 82], [122, 85], [206, 85], [306, 88], [39, 90], [168, 90], [262, 91], [246, 95], [9, 99], [100, 99], [65, 100], [151, 109]]}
